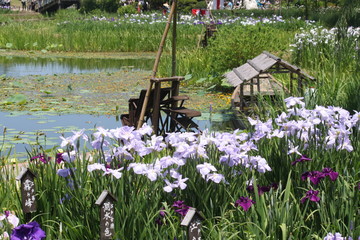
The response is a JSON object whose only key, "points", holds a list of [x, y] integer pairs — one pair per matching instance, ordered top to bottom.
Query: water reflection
{"points": [[14, 66], [23, 130]]}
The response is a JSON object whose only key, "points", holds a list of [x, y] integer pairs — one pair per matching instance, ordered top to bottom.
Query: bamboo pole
{"points": [[173, 60], [156, 64]]}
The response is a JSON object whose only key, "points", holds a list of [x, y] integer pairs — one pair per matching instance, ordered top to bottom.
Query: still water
{"points": [[23, 66], [24, 129]]}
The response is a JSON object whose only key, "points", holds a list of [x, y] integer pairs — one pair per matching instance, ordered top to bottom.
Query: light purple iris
{"points": [[292, 101], [205, 169], [65, 172], [215, 177], [311, 195], [244, 202], [336, 236]]}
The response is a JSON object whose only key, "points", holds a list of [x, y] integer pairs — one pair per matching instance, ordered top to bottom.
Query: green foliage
{"points": [[88, 6], [109, 6], [185, 6], [128, 9], [67, 14], [235, 45], [232, 46]]}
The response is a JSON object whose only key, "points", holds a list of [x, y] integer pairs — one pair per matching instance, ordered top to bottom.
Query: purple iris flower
{"points": [[41, 157], [59, 158], [303, 158], [64, 172], [330, 173], [314, 176], [274, 186], [250, 188], [262, 189], [311, 195], [66, 197], [244, 202], [182, 209], [160, 220], [29, 231]]}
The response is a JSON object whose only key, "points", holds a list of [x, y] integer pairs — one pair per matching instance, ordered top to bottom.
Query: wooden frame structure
{"points": [[255, 77], [156, 100], [164, 110]]}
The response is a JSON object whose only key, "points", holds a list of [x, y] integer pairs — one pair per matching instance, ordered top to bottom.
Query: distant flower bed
{"points": [[185, 20]]}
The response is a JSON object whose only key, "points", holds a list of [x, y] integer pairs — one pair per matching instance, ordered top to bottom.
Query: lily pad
{"points": [[18, 99]]}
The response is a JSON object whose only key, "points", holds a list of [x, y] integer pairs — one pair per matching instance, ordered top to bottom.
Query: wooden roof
{"points": [[258, 65]]}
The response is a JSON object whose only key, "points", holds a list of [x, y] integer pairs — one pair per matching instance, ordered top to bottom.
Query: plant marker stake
{"points": [[28, 200], [192, 221], [107, 224]]}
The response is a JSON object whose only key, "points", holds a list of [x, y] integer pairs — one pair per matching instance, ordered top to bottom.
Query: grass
{"points": [[328, 136]]}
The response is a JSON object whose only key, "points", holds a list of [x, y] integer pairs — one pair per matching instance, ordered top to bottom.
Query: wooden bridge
{"points": [[49, 6]]}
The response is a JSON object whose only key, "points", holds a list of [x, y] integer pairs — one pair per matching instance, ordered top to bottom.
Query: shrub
{"points": [[88, 6], [128, 9]]}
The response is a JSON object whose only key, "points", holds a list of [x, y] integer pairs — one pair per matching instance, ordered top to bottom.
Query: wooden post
{"points": [[173, 49], [156, 64], [291, 83], [174, 84], [300, 85], [252, 91], [241, 96], [156, 108], [28, 200], [107, 211], [192, 221]]}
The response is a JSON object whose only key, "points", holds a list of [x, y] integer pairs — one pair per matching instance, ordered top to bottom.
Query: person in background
{"points": [[267, 4], [23, 5], [229, 5], [139, 6], [166, 8]]}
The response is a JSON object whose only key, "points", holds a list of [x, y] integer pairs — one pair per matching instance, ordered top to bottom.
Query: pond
{"points": [[16, 66], [25, 128]]}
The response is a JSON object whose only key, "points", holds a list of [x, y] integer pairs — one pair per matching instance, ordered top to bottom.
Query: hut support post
{"points": [[291, 82], [175, 85], [300, 85], [252, 91], [241, 95], [156, 109]]}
